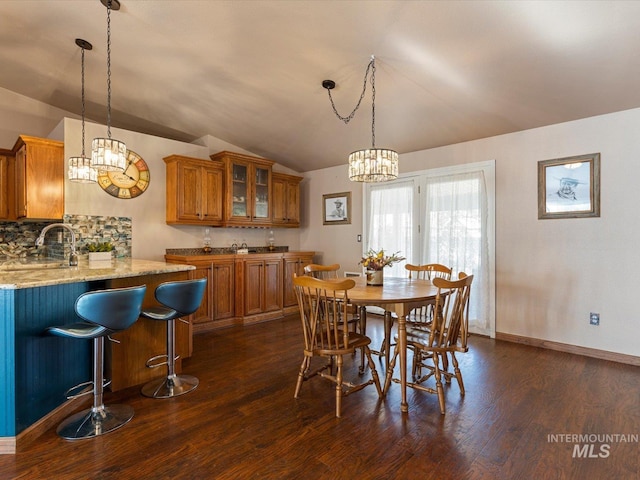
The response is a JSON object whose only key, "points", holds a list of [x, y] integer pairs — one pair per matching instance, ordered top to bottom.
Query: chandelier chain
{"points": [[109, 69], [82, 70], [373, 104], [348, 118]]}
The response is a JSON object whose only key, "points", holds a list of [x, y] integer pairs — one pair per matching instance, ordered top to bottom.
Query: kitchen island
{"points": [[36, 369]]}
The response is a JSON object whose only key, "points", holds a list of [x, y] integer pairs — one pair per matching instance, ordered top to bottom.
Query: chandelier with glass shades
{"points": [[107, 153], [369, 164]]}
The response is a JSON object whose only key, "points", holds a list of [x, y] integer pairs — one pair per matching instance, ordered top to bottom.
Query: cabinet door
{"points": [[39, 178], [21, 182], [189, 187], [5, 191], [240, 192], [261, 194], [212, 195], [279, 200], [286, 200], [293, 203], [293, 265], [272, 285], [253, 286], [223, 290], [204, 313]]}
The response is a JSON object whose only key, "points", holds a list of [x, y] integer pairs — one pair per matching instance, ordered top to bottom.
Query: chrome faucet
{"points": [[73, 256]]}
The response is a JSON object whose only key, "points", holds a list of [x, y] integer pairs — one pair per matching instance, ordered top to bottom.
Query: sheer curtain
{"points": [[390, 221], [455, 223]]}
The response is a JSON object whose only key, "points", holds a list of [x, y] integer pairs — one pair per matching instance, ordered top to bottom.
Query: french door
{"points": [[440, 216]]}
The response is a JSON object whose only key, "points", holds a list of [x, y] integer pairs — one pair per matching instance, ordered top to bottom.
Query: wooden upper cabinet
{"points": [[39, 178], [248, 189], [7, 190], [194, 191], [286, 200]]}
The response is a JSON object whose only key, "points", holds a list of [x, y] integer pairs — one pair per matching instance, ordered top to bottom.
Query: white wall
{"points": [[550, 274]]}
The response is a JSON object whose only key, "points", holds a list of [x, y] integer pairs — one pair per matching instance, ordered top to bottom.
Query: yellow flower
{"points": [[378, 260]]}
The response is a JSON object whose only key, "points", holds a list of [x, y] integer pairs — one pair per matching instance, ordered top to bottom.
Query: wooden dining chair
{"points": [[325, 272], [324, 314], [421, 317], [447, 336]]}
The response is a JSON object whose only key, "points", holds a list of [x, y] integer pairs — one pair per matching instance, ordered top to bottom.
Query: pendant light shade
{"points": [[107, 153], [373, 165], [80, 169]]}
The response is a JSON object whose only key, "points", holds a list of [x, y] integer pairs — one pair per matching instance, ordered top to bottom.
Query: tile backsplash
{"points": [[17, 239]]}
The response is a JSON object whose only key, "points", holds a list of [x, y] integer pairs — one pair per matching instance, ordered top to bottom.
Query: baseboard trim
{"points": [[567, 348], [7, 445], [11, 445]]}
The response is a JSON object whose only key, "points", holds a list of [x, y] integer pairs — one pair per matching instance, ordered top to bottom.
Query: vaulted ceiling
{"points": [[250, 72]]}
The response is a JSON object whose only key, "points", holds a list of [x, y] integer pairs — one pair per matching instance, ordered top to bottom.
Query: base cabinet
{"points": [[294, 264], [223, 284], [262, 286], [245, 289], [205, 312]]}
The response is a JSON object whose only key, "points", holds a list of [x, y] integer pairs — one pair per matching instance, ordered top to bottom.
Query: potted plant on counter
{"points": [[100, 251]]}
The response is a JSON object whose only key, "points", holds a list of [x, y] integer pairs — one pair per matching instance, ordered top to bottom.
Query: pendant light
{"points": [[107, 153], [369, 164], [80, 169]]}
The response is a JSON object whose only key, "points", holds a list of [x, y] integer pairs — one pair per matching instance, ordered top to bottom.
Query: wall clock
{"points": [[130, 183]]}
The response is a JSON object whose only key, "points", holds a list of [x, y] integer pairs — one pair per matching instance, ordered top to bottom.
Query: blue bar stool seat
{"points": [[177, 299], [104, 312]]}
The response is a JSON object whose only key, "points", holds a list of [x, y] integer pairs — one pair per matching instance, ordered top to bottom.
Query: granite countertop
{"points": [[16, 274]]}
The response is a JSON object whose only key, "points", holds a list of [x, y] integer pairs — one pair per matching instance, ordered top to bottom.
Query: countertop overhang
{"points": [[84, 272]]}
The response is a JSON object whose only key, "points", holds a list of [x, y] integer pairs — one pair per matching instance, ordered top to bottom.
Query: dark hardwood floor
{"points": [[243, 422]]}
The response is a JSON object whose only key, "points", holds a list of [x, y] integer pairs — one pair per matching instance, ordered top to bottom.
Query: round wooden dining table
{"points": [[400, 296]]}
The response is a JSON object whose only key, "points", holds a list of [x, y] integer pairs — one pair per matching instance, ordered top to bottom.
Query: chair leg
{"points": [[363, 330], [304, 367], [374, 372], [389, 372], [457, 372], [172, 385], [338, 385], [439, 387], [99, 419]]}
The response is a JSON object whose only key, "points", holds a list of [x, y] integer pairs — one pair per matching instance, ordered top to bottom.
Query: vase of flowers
{"points": [[374, 263]]}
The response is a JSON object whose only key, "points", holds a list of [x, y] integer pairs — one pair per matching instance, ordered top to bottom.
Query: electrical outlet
{"points": [[594, 318]]}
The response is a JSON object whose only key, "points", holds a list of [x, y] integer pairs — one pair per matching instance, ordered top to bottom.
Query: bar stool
{"points": [[178, 299], [104, 312]]}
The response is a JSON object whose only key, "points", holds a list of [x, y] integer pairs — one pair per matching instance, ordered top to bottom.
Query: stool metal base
{"points": [[170, 386], [94, 422]]}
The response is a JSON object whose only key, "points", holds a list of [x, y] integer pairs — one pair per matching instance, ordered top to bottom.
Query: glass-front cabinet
{"points": [[248, 189]]}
